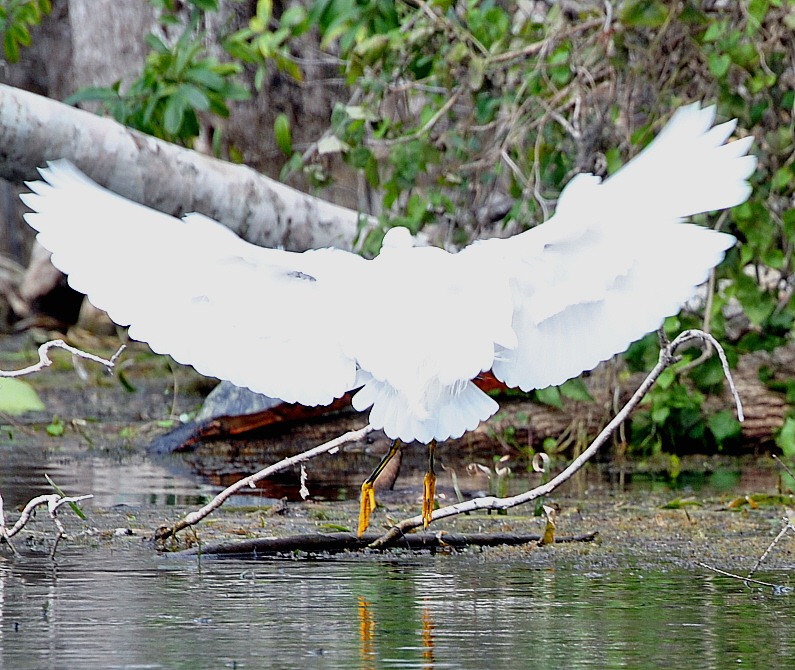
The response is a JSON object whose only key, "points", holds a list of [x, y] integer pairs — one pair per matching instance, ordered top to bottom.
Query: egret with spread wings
{"points": [[536, 309]]}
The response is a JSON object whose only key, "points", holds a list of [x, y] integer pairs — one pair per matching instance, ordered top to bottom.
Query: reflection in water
{"points": [[132, 480], [129, 609], [366, 635], [427, 637]]}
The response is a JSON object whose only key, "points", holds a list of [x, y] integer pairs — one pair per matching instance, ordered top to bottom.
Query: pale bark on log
{"points": [[172, 179]]}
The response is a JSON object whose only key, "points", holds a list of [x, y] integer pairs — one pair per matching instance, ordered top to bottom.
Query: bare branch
{"points": [[667, 358], [45, 361], [328, 448], [53, 501], [787, 527], [742, 579]]}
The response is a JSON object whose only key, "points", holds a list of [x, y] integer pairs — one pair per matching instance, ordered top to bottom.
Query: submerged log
{"points": [[331, 543]]}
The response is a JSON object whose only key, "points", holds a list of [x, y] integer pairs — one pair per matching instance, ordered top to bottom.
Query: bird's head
{"points": [[397, 238]]}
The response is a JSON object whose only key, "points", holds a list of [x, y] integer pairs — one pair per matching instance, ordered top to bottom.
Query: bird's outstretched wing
{"points": [[617, 258], [260, 318]]}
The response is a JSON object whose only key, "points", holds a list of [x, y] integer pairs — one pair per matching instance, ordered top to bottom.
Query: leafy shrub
{"points": [[17, 17]]}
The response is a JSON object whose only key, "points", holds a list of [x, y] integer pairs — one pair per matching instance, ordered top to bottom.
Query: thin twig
{"points": [[426, 128], [666, 359], [45, 361], [329, 447], [783, 465], [54, 502], [787, 526], [742, 579]]}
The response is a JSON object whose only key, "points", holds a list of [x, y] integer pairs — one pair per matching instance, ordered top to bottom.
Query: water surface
{"points": [[132, 609]]}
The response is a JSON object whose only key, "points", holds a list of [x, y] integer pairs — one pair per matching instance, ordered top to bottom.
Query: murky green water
{"points": [[130, 608], [122, 610]]}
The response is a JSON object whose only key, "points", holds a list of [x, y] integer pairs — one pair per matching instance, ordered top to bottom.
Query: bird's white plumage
{"points": [[412, 327]]}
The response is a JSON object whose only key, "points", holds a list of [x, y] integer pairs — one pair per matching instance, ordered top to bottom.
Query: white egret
{"points": [[412, 327]]}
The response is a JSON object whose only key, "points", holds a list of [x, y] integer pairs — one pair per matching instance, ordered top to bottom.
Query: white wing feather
{"points": [[616, 258], [193, 289]]}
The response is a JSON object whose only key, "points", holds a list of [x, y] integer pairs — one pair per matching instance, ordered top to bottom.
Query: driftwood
{"points": [[332, 543]]}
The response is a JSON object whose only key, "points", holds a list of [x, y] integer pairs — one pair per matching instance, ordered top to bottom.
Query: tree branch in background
{"points": [[54, 501]]}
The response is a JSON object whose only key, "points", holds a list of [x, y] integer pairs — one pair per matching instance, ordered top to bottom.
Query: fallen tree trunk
{"points": [[164, 176]]}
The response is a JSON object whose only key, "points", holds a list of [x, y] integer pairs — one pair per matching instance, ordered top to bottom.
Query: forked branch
{"points": [[45, 360], [328, 448], [53, 501]]}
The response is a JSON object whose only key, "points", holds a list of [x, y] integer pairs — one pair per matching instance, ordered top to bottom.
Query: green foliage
{"points": [[17, 17], [179, 82], [18, 397], [56, 427], [79, 512]]}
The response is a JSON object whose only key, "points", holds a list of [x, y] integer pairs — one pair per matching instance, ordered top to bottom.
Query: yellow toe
{"points": [[428, 498], [367, 506]]}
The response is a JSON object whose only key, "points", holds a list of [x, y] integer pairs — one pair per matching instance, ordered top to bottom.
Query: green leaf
{"points": [[206, 5], [757, 10], [264, 11], [643, 14], [294, 17], [714, 31], [156, 44], [11, 48], [719, 64], [206, 77], [93, 94], [193, 97], [173, 114], [282, 134], [613, 158], [371, 172], [782, 179], [666, 378], [575, 389], [549, 396], [18, 397], [660, 414], [724, 425], [56, 427], [786, 437], [58, 490]]}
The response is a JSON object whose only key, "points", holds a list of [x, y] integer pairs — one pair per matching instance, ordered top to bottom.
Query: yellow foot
{"points": [[428, 498], [367, 506]]}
